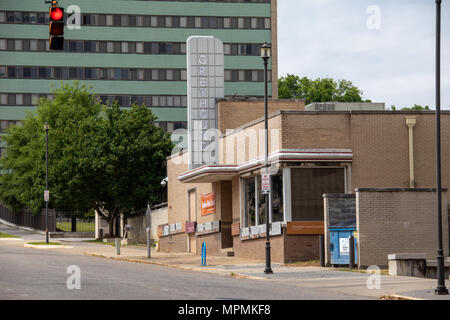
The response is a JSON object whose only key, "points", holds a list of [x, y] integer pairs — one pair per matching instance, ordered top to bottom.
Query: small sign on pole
{"points": [[265, 183], [46, 195]]}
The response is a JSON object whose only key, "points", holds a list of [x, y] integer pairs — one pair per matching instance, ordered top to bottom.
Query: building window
{"points": [[307, 187], [249, 202], [255, 204]]}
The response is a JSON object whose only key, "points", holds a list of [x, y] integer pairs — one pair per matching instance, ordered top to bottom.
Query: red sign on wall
{"points": [[208, 204], [190, 227]]}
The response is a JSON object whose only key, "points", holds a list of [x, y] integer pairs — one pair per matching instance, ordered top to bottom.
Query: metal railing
{"points": [[26, 218], [58, 220], [75, 221]]}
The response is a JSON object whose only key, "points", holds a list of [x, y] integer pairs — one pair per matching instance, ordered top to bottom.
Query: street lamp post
{"points": [[265, 55], [46, 126], [441, 289]]}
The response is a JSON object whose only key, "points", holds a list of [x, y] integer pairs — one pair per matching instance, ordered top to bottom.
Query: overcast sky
{"points": [[392, 59]]}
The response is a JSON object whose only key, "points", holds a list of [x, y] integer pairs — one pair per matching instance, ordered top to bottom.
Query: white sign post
{"points": [[265, 183], [46, 196]]}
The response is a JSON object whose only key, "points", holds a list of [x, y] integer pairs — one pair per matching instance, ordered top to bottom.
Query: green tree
{"points": [[318, 90], [416, 107], [100, 157], [124, 158], [23, 180]]}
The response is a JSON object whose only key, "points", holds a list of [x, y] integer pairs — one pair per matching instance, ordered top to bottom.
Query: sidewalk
{"points": [[329, 279]]}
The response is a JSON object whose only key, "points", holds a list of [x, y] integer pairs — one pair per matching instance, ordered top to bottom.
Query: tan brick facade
{"points": [[378, 142], [398, 221]]}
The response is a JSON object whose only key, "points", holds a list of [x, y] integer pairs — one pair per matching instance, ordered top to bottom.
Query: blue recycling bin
{"points": [[339, 246]]}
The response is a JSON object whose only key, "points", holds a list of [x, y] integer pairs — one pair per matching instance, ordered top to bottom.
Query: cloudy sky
{"points": [[392, 59]]}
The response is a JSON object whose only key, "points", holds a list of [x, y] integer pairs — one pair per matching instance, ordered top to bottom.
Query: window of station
{"points": [[307, 187], [254, 201]]}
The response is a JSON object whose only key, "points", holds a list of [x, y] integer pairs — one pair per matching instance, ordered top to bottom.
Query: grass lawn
{"points": [[81, 226], [5, 235], [100, 242], [43, 243], [114, 244], [312, 263]]}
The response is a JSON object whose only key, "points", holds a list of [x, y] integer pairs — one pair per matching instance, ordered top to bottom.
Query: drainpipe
{"points": [[410, 123]]}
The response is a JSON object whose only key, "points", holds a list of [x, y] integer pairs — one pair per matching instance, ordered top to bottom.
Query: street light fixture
{"points": [[265, 55], [46, 195], [440, 289]]}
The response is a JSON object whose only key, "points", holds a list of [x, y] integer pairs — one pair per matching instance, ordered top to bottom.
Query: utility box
{"points": [[339, 246]]}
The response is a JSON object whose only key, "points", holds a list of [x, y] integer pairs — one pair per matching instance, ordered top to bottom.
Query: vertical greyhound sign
{"points": [[205, 84]]}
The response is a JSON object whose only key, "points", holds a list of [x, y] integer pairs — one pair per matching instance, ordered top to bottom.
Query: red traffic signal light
{"points": [[56, 14], [56, 27]]}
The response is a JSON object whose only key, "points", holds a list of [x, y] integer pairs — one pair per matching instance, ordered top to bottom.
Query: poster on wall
{"points": [[208, 204]]}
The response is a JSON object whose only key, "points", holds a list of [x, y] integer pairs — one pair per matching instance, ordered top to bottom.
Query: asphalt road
{"points": [[28, 273]]}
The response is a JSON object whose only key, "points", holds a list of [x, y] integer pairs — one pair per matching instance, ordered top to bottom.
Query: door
{"points": [[192, 216]]}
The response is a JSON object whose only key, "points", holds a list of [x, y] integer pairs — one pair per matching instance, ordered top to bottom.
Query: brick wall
{"points": [[235, 113], [316, 130], [178, 192], [398, 221], [174, 243], [213, 243], [255, 248], [301, 248]]}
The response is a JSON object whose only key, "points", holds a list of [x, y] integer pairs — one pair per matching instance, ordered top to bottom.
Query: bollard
{"points": [[100, 234], [148, 243], [351, 244], [117, 246], [322, 250], [204, 253]]}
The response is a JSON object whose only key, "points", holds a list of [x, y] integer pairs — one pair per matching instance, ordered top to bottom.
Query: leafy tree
{"points": [[318, 90], [416, 107], [123, 154], [100, 157], [23, 180]]}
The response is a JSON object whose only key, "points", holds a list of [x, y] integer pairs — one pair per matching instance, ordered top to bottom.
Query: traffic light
{"points": [[56, 27]]}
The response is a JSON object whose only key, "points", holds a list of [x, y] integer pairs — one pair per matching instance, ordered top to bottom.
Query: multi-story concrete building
{"points": [[131, 51]]}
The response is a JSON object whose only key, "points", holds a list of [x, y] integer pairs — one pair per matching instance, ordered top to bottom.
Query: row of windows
{"points": [[118, 20], [28, 45], [132, 74], [163, 101], [5, 124], [166, 125], [170, 126]]}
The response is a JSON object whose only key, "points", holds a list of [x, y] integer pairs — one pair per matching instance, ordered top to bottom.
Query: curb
{"points": [[37, 246], [232, 275]]}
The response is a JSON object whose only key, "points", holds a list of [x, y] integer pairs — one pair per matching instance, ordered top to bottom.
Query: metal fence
{"points": [[26, 218], [58, 220], [75, 221]]}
